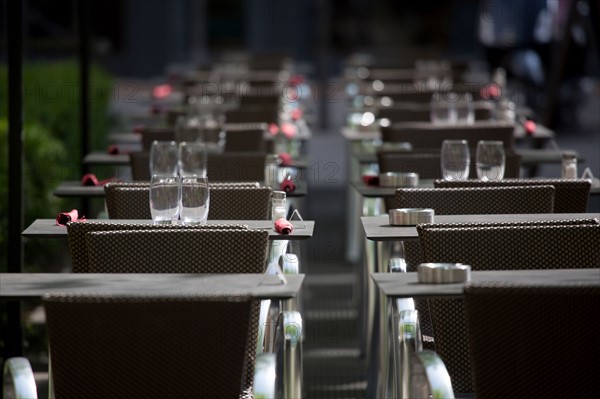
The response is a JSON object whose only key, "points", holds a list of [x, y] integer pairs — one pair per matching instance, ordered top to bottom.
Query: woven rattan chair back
{"points": [[424, 135], [245, 140], [140, 165], [236, 166], [570, 195], [244, 201], [77, 235], [503, 246], [217, 251], [517, 338], [148, 347]]}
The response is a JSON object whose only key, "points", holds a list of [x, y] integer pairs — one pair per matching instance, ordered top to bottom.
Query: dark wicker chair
{"points": [[423, 135], [249, 139], [140, 165], [236, 166], [570, 195], [229, 201], [78, 231], [501, 246], [534, 341], [148, 347]]}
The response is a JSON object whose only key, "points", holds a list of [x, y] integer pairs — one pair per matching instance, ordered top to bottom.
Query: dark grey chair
{"points": [[500, 246], [534, 329]]}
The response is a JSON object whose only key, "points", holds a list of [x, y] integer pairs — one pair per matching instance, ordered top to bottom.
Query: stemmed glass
{"points": [[456, 159]]}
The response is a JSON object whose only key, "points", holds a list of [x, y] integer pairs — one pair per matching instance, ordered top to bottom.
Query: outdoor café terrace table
{"points": [[101, 158], [74, 188], [46, 228], [378, 229], [406, 285], [25, 286]]}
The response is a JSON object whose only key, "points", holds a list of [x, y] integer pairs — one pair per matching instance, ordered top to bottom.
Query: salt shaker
{"points": [[569, 165], [278, 208]]}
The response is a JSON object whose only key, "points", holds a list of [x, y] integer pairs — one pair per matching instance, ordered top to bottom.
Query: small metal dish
{"points": [[398, 179], [410, 216], [443, 273]]}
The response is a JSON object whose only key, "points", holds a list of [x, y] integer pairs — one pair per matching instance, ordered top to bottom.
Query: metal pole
{"points": [[83, 17], [13, 337]]}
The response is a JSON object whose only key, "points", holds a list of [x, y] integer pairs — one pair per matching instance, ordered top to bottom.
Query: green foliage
{"points": [[51, 140]]}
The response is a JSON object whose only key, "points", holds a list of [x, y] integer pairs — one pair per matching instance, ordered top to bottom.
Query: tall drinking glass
{"points": [[442, 110], [465, 112], [163, 158], [192, 159], [456, 159], [490, 160], [165, 196], [195, 200]]}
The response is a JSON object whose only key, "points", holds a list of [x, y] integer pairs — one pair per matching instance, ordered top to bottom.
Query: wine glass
{"points": [[456, 159], [490, 160]]}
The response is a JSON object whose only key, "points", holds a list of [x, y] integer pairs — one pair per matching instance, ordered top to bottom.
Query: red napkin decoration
{"points": [[162, 91], [491, 92], [155, 109], [297, 114], [530, 127], [138, 129], [273, 129], [289, 130], [113, 149], [285, 159], [90, 179], [371, 180], [287, 185], [64, 217], [282, 226]]}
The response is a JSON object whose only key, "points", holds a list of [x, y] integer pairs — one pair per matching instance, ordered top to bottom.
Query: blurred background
{"points": [[549, 49]]}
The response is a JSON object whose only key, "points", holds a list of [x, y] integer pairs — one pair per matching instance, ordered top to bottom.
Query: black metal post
{"points": [[83, 17], [13, 337]]}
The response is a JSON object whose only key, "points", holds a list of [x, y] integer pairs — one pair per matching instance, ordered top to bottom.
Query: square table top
{"points": [[374, 133], [529, 156], [102, 158], [74, 188], [378, 191], [47, 228], [378, 228], [406, 285], [19, 286]]}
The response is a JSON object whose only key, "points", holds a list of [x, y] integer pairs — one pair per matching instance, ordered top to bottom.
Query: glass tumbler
{"points": [[163, 158], [192, 159], [455, 159], [490, 160], [165, 196], [195, 200]]}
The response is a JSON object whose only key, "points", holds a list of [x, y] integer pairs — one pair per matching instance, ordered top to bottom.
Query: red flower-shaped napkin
{"points": [[530, 127], [289, 130], [285, 159], [90, 179], [371, 180], [287, 185], [65, 217], [282, 226]]}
